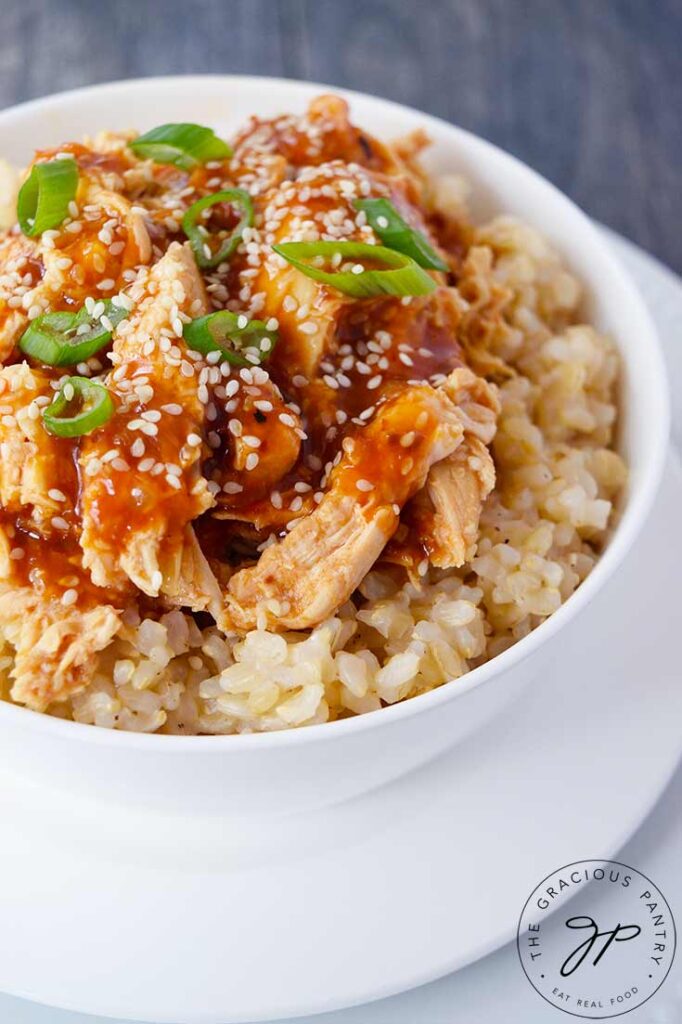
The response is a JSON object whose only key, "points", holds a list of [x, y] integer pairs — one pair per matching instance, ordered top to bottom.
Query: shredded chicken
{"points": [[34, 480], [134, 521], [312, 571], [55, 646]]}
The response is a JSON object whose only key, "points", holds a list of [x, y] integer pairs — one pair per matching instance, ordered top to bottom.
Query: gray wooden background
{"points": [[589, 92]]}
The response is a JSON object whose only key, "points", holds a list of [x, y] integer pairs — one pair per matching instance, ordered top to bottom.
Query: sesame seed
{"points": [[308, 328], [299, 381], [374, 382], [173, 409], [151, 416], [286, 419], [235, 427], [150, 429], [407, 439], [193, 440], [251, 441], [137, 448], [251, 462], [120, 465], [145, 465], [173, 481], [364, 485], [232, 488], [56, 494], [276, 499], [396, 509], [59, 523], [16, 554], [156, 580], [69, 597]]}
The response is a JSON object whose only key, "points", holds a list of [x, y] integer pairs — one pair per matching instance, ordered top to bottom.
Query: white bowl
{"points": [[293, 771]]}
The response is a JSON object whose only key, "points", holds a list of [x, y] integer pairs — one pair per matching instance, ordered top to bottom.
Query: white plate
{"points": [[407, 884]]}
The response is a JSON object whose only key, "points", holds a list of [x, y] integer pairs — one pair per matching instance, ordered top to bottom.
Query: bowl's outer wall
{"points": [[336, 763]]}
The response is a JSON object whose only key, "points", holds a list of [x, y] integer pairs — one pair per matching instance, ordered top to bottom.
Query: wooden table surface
{"points": [[589, 92]]}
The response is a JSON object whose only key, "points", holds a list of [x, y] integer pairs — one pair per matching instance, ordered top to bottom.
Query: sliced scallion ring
{"points": [[184, 145], [43, 201], [396, 233], [199, 236], [402, 276], [65, 339], [242, 342], [80, 407]]}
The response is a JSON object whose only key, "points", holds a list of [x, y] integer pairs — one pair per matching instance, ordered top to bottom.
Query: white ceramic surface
{"points": [[324, 764], [493, 990]]}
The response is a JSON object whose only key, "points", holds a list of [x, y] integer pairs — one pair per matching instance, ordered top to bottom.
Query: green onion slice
{"points": [[184, 145], [44, 198], [394, 232], [198, 235], [402, 276], [64, 339], [242, 342], [79, 408]]}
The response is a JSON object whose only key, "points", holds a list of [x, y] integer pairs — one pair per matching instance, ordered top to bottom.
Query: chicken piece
{"points": [[322, 134], [318, 204], [20, 269], [57, 274], [260, 441], [37, 474], [142, 480], [442, 519], [305, 577], [188, 578], [55, 646]]}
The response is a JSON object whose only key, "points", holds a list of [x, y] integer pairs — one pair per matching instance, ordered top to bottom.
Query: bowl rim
{"points": [[634, 514]]}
